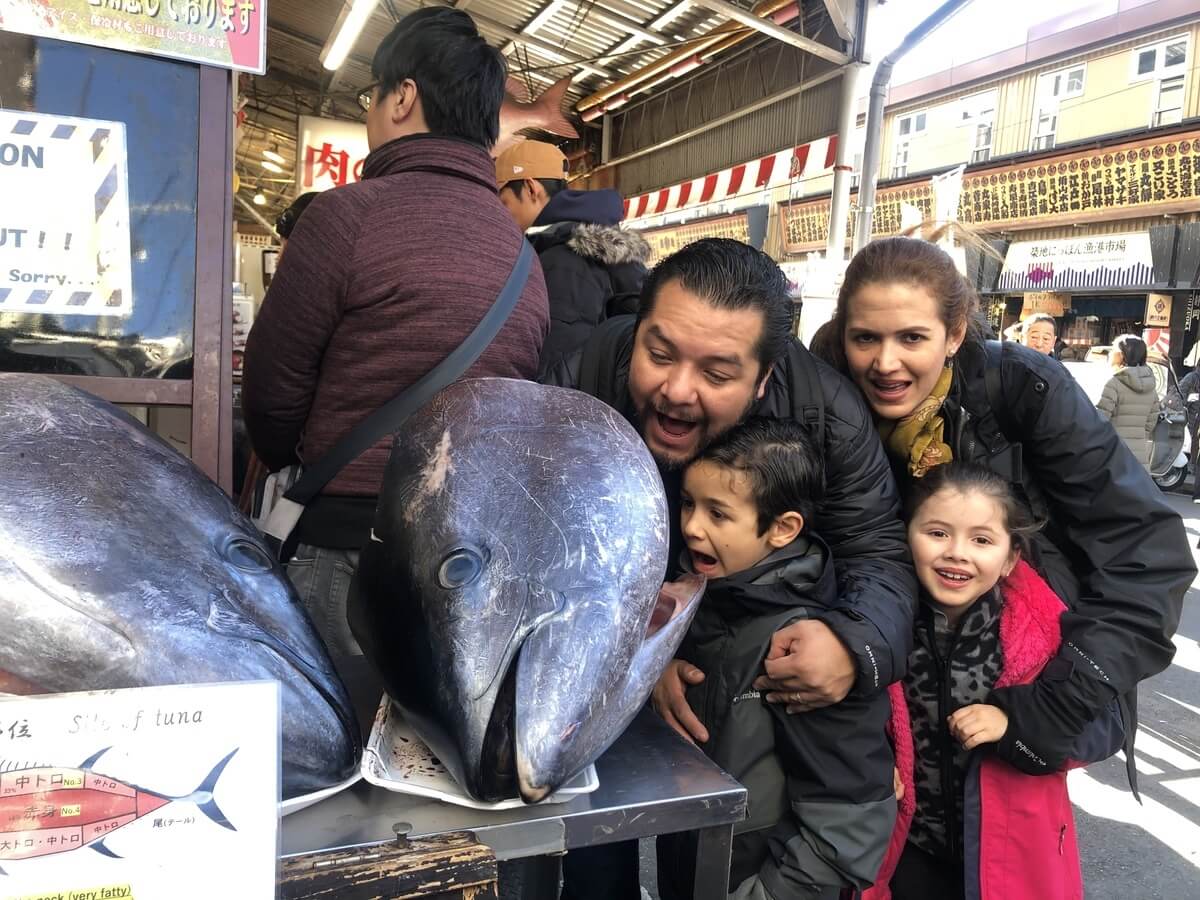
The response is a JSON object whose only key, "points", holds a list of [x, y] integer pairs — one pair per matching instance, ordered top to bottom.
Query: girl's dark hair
{"points": [[917, 263], [1133, 350], [782, 462], [963, 477]]}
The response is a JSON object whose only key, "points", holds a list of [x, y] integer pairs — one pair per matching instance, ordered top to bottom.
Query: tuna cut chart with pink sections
{"points": [[48, 810]]}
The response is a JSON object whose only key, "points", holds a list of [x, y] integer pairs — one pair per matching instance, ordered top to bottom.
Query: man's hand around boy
{"points": [[807, 667], [670, 701], [977, 724]]}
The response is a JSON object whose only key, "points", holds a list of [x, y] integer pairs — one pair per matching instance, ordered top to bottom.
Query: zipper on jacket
{"points": [[964, 417], [946, 756]]}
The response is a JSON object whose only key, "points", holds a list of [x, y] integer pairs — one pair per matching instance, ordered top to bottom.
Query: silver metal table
{"points": [[651, 782]]}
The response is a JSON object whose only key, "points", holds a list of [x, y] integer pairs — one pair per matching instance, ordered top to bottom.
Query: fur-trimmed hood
{"points": [[609, 245]]}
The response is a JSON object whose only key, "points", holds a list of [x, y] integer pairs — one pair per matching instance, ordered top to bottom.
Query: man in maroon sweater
{"points": [[382, 280]]}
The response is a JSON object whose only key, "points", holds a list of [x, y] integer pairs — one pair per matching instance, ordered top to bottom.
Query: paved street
{"points": [[1152, 851]]}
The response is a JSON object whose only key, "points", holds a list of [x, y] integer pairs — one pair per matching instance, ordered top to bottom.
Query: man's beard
{"points": [[670, 464]]}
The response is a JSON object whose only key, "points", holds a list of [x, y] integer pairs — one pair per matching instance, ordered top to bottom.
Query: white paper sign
{"points": [[330, 153], [64, 216], [147, 793]]}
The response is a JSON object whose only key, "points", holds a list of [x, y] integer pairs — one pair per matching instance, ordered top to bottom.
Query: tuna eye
{"points": [[248, 557], [459, 569]]}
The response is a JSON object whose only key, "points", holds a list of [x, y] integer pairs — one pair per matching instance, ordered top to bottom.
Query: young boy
{"points": [[821, 795]]}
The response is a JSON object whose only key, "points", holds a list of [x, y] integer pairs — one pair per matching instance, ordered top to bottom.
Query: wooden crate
{"points": [[449, 867]]}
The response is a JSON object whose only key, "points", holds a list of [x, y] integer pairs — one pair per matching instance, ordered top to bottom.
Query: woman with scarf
{"points": [[907, 333]]}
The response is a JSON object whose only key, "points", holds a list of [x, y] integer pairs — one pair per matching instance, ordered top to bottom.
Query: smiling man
{"points": [[711, 345]]}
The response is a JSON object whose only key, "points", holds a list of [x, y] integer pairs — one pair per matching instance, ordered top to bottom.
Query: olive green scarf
{"points": [[917, 438]]}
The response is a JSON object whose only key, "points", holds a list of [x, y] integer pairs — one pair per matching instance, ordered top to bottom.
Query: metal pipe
{"points": [[766, 26], [715, 123], [872, 151], [843, 170]]}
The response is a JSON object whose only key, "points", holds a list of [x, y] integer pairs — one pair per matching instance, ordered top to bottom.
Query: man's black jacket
{"points": [[859, 518]]}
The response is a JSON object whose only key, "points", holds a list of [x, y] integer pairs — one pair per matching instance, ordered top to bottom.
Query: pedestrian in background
{"points": [[594, 269], [1189, 393], [1130, 399]]}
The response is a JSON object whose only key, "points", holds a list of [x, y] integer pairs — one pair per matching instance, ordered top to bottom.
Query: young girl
{"points": [[971, 824]]}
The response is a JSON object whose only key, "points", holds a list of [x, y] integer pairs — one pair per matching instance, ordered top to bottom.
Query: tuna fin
{"points": [[517, 89], [548, 110], [91, 760], [203, 795], [100, 848]]}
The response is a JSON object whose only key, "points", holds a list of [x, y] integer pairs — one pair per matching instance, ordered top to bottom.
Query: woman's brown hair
{"points": [[916, 262]]}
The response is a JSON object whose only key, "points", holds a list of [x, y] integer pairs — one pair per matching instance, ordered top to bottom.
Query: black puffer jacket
{"points": [[593, 268], [1113, 549], [873, 615], [821, 805]]}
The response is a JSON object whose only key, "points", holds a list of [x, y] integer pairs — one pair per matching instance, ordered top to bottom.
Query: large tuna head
{"points": [[123, 565], [513, 593]]}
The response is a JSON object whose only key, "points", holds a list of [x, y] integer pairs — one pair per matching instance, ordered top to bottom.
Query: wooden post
{"points": [[448, 867]]}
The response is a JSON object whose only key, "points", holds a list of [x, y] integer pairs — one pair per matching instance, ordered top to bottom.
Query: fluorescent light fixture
{"points": [[349, 25], [274, 156], [272, 167], [260, 199]]}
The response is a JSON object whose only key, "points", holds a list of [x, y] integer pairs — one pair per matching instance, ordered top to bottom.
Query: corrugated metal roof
{"points": [[596, 40]]}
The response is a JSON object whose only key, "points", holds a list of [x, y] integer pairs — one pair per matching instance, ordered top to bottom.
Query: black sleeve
{"points": [[860, 520], [1125, 545]]}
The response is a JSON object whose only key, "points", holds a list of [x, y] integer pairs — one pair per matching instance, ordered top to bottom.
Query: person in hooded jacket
{"points": [[593, 268], [1130, 399], [821, 801]]}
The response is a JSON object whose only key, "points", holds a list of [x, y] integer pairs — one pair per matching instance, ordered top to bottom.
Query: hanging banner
{"points": [[230, 34], [330, 153], [64, 222], [806, 223], [748, 226], [1111, 261], [1045, 302], [1158, 311], [162, 793]]}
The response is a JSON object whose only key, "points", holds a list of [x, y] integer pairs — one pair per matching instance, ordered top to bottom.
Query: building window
{"points": [[1164, 59], [1169, 109], [910, 125], [1043, 138], [983, 142], [900, 167], [856, 173]]}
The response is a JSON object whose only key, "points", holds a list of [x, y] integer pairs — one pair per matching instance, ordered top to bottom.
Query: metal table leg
{"points": [[713, 849]]}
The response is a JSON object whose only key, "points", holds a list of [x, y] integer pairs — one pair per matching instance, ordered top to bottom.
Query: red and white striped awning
{"points": [[776, 170]]}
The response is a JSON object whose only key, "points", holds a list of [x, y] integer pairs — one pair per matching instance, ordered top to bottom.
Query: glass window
{"points": [[1176, 54], [1146, 61], [1075, 81], [157, 99], [1169, 110], [920, 122], [905, 125], [900, 168]]}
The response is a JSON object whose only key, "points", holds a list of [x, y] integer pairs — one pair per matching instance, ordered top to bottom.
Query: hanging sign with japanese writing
{"points": [[231, 34], [330, 153], [64, 220], [806, 224], [748, 226], [1108, 261], [1047, 302], [1158, 311], [147, 793]]}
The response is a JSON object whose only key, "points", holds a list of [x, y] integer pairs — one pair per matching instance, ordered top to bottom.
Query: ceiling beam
{"points": [[841, 19], [766, 26]]}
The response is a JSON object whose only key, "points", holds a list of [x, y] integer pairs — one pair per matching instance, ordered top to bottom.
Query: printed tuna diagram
{"points": [[49, 810]]}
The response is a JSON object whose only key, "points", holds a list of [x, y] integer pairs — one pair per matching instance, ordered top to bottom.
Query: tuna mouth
{"points": [[497, 763]]}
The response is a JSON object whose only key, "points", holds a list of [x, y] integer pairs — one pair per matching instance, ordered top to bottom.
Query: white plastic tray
{"points": [[397, 760], [287, 807]]}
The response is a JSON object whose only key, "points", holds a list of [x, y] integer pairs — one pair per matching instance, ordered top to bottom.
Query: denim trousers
{"points": [[322, 578]]}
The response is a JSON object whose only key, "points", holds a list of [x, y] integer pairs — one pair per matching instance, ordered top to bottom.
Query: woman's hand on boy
{"points": [[807, 667], [670, 701], [978, 724]]}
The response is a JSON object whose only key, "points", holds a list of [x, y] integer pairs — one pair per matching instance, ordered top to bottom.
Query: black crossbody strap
{"points": [[389, 417]]}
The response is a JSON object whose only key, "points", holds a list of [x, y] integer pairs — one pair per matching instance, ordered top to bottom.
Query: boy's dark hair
{"points": [[459, 75], [552, 185], [728, 274], [782, 461], [964, 477]]}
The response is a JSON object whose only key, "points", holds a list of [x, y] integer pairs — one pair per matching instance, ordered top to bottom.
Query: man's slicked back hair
{"points": [[459, 75], [728, 274]]}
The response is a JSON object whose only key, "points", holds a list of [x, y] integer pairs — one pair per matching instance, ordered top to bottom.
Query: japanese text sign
{"points": [[231, 34], [331, 153], [64, 222], [1113, 260], [160, 792]]}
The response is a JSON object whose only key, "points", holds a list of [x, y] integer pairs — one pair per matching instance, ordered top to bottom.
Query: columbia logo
{"points": [[749, 695]]}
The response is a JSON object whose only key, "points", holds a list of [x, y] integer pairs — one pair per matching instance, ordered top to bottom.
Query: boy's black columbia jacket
{"points": [[821, 801]]}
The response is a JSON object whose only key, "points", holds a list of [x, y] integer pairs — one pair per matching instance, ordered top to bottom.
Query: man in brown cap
{"points": [[593, 268]]}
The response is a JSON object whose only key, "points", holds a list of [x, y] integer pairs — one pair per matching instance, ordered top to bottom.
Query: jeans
{"points": [[322, 579]]}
